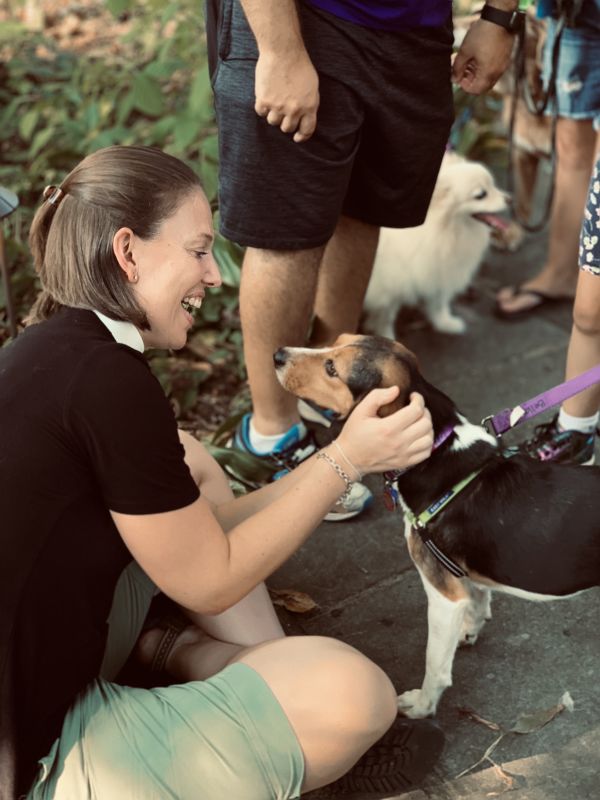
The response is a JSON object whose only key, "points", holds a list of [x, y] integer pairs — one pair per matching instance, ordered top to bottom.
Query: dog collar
{"points": [[391, 495], [420, 521]]}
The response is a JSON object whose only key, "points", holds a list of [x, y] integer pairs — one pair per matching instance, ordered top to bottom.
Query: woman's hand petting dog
{"points": [[398, 441]]}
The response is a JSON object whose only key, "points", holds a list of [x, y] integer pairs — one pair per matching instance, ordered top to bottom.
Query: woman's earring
{"points": [[134, 276]]}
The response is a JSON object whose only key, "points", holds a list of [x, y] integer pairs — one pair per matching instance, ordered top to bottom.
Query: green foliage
{"points": [[57, 106], [476, 133]]}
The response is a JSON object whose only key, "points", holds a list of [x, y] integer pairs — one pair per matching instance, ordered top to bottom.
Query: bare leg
{"points": [[575, 146], [526, 174], [343, 279], [277, 294], [584, 345], [253, 619], [337, 701]]}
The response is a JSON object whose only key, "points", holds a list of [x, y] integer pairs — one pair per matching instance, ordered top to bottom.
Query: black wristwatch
{"points": [[512, 21]]}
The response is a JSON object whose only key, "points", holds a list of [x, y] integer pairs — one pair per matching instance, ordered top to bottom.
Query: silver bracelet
{"points": [[347, 460], [343, 475]]}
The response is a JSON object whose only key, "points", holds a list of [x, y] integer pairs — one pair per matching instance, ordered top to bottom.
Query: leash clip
{"points": [[488, 424], [391, 495]]}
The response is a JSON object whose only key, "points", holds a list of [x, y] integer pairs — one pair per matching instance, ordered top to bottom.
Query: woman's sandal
{"points": [[164, 615], [171, 626], [400, 760]]}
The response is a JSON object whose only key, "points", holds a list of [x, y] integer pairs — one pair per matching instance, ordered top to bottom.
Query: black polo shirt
{"points": [[84, 427]]}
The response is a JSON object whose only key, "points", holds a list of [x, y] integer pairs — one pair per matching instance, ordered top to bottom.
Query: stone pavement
{"points": [[529, 654]]}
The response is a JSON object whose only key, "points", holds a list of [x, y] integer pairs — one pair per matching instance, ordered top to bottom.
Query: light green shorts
{"points": [[132, 597], [226, 738]]}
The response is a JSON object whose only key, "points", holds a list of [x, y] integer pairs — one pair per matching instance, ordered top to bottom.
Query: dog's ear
{"points": [[346, 338], [404, 352], [398, 371]]}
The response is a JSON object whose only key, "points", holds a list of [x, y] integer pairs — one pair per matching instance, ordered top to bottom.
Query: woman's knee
{"points": [[586, 316], [328, 679], [355, 688], [337, 701]]}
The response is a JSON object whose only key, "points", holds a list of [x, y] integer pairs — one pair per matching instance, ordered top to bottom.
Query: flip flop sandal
{"points": [[542, 299], [165, 616], [397, 762]]}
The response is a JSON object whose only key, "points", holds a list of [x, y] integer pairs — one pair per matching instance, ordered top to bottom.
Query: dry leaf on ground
{"points": [[292, 600]]}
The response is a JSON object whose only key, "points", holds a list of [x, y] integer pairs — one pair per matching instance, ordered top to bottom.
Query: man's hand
{"points": [[483, 56], [287, 93]]}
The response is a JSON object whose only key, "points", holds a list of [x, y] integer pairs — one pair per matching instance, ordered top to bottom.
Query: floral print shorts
{"points": [[589, 243]]}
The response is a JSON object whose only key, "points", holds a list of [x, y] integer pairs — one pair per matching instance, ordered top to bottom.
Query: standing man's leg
{"points": [[343, 279], [277, 295]]}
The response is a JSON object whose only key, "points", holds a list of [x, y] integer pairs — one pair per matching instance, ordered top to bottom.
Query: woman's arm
{"points": [[209, 475], [190, 557]]}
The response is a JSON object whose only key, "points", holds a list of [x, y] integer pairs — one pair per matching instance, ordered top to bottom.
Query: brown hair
{"points": [[72, 232]]}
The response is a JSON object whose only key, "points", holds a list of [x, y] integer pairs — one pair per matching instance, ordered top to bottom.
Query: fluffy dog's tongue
{"points": [[494, 221]]}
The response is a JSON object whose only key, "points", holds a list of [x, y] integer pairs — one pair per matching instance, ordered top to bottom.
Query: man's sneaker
{"points": [[314, 413], [549, 443], [292, 449], [400, 760]]}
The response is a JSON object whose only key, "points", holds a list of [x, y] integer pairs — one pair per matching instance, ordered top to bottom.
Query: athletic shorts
{"points": [[578, 71], [383, 121], [589, 243], [226, 738]]}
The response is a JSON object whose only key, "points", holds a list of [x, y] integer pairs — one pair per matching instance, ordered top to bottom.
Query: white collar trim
{"points": [[122, 332]]}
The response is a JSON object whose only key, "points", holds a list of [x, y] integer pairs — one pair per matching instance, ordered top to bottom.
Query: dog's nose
{"points": [[280, 357]]}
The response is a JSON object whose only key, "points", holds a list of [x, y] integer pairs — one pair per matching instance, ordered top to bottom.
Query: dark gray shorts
{"points": [[383, 121]]}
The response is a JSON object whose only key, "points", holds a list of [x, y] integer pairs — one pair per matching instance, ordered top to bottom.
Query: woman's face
{"points": [[174, 270]]}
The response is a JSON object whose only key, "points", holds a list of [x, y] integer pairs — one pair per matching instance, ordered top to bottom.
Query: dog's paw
{"points": [[449, 324], [415, 704]]}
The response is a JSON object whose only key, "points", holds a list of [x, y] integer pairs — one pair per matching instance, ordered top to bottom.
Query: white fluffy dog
{"points": [[429, 265]]}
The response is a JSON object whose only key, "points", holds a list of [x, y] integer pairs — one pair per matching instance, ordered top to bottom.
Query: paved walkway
{"points": [[529, 654]]}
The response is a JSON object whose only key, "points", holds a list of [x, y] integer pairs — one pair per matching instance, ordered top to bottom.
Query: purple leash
{"points": [[508, 418]]}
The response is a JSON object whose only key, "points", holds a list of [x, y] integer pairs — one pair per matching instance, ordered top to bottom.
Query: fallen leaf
{"points": [[290, 599], [534, 720]]}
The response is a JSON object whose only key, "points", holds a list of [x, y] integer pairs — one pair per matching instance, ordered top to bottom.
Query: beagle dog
{"points": [[512, 523]]}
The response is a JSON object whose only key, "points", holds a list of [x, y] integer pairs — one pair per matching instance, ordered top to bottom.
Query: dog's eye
{"points": [[480, 194], [330, 368]]}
